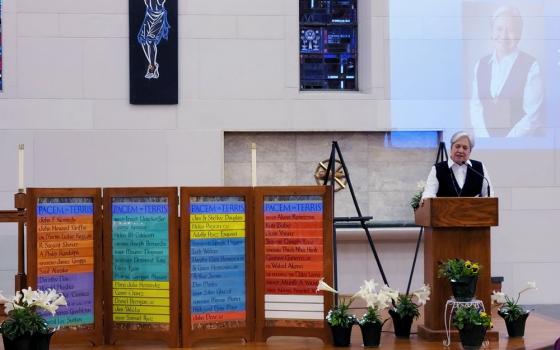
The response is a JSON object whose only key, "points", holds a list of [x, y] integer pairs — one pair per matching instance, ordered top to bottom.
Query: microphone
{"points": [[479, 174]]}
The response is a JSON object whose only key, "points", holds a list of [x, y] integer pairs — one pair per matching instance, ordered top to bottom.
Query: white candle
{"points": [[254, 164], [20, 167]]}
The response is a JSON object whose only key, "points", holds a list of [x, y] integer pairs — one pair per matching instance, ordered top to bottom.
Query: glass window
{"points": [[328, 44]]}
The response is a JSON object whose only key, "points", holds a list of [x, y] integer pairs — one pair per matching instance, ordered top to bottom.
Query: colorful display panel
{"points": [[293, 243], [140, 250], [65, 257], [217, 260]]}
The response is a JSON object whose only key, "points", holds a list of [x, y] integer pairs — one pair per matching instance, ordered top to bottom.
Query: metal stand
{"points": [[441, 153], [330, 176], [450, 306]]}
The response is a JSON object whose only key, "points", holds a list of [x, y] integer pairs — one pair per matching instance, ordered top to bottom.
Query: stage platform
{"points": [[541, 332]]}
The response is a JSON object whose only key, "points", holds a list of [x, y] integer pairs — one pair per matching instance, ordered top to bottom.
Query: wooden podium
{"points": [[455, 228]]}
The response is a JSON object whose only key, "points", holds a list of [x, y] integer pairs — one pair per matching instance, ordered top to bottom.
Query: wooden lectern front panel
{"points": [[441, 244]]}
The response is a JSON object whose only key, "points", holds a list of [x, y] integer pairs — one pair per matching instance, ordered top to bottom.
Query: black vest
{"points": [[498, 121], [448, 186]]}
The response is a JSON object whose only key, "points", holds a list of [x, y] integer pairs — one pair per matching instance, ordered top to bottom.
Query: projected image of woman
{"points": [[154, 27], [507, 89]]}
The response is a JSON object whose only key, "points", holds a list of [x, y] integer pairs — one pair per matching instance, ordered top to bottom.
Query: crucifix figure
{"points": [[154, 27]]}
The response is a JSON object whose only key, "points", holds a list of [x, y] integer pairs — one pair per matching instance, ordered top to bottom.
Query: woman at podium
{"points": [[459, 176]]}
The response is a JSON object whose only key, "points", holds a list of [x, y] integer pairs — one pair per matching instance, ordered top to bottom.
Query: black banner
{"points": [[153, 52]]}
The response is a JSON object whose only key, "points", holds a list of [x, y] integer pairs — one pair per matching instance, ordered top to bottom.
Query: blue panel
{"points": [[412, 139]]}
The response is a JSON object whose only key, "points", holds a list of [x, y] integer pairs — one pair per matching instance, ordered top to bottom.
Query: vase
{"points": [[464, 288], [401, 324], [515, 328], [371, 334], [341, 335], [472, 336], [41, 341], [20, 343]]}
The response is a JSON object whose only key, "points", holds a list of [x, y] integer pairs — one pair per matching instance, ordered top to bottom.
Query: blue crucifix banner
{"points": [[153, 52]]}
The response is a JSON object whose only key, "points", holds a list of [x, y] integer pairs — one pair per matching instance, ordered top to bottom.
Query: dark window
{"points": [[328, 44]]}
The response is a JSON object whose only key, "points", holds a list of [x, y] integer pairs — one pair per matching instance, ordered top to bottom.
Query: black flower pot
{"points": [[464, 288], [401, 325], [515, 328], [371, 334], [341, 335], [472, 337], [41, 341], [20, 343]]}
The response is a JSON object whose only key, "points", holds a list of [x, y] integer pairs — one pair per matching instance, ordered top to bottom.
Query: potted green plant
{"points": [[417, 196], [463, 275], [376, 300], [405, 310], [513, 314], [339, 317], [472, 324], [25, 327]]}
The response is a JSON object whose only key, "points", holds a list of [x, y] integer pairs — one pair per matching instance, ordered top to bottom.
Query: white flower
{"points": [[421, 184], [370, 285], [325, 287], [390, 292], [423, 294], [29, 296], [17, 297], [498, 297], [373, 298], [501, 298], [3, 299], [60, 301], [8, 307]]}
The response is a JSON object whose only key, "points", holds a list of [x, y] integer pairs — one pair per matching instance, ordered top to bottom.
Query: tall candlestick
{"points": [[254, 164], [20, 168]]}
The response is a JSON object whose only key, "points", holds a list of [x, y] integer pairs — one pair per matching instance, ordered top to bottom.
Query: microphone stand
{"points": [[481, 175]]}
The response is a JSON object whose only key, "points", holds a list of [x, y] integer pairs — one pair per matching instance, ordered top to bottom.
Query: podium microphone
{"points": [[481, 175]]}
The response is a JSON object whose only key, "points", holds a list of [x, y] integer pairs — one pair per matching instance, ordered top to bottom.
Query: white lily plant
{"points": [[48, 300], [376, 300], [509, 308], [338, 316]]}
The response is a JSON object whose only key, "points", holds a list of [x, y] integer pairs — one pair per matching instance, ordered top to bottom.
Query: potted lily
{"points": [[463, 276], [376, 300], [405, 310], [513, 314], [339, 317], [472, 324], [25, 327]]}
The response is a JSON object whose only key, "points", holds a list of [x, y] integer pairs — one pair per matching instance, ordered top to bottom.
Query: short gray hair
{"points": [[513, 13], [459, 135]]}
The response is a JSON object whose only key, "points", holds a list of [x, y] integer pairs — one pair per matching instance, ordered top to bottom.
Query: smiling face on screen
{"points": [[507, 26]]}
